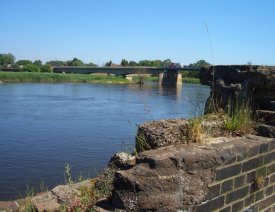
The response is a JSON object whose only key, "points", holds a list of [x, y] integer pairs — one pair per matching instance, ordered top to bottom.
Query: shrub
{"points": [[31, 68], [46, 68]]}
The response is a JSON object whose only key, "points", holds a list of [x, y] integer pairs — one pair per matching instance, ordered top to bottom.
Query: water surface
{"points": [[45, 126]]}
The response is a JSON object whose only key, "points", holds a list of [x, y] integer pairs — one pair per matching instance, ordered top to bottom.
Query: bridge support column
{"points": [[129, 77], [160, 78], [170, 78], [179, 79]]}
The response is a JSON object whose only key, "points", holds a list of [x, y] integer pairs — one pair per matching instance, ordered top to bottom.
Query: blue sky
{"points": [[96, 31]]}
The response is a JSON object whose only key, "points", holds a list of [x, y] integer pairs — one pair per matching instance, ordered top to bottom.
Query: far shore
{"points": [[14, 77]]}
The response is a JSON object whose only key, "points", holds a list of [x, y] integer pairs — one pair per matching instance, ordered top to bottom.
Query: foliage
{"points": [[6, 59], [24, 62], [75, 62], [124, 62], [166, 62], [38, 63], [56, 63], [133, 63], [150, 63], [200, 63], [108, 64], [15, 65], [91, 65], [31, 68], [46, 68], [190, 74], [56, 77], [191, 80], [239, 120], [195, 131], [141, 142], [68, 174], [26, 204]]}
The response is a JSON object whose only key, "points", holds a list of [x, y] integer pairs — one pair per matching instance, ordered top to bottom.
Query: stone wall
{"points": [[244, 82], [228, 174]]}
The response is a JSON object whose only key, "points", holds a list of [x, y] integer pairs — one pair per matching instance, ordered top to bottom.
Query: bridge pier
{"points": [[170, 78]]}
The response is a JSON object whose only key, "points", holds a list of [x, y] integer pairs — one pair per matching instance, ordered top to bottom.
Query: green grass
{"points": [[56, 77], [82, 78], [151, 79], [191, 80], [239, 119]]}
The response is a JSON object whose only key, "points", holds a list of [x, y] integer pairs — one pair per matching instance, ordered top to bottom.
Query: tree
{"points": [[6, 59], [24, 62], [75, 62], [124, 62], [166, 62], [38, 63], [56, 63], [109, 63], [133, 63], [145, 63], [157, 63], [200, 63], [91, 64], [31, 68], [46, 68]]}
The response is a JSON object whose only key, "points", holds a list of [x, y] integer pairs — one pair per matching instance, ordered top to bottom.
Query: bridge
{"points": [[166, 75]]}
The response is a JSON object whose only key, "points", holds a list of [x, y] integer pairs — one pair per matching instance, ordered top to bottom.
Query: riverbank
{"points": [[55, 77], [82, 78]]}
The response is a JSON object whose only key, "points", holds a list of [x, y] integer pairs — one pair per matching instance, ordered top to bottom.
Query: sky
{"points": [[185, 31]]}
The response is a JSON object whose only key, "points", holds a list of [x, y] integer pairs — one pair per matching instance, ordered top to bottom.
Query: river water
{"points": [[45, 126]]}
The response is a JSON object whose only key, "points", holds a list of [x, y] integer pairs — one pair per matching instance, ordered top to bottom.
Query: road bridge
{"points": [[166, 75]]}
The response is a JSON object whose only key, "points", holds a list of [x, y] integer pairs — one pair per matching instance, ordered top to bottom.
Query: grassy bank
{"points": [[55, 77], [82, 78], [191, 80]]}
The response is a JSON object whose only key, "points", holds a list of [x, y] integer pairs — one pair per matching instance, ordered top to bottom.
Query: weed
{"points": [[239, 118], [195, 131], [141, 142], [68, 174], [259, 183], [43, 187], [26, 204]]}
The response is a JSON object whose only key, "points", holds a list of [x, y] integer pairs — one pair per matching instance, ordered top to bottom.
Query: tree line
{"points": [[9, 61]]}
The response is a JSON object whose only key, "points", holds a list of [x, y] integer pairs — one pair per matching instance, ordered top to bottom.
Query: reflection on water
{"points": [[170, 90], [45, 126]]}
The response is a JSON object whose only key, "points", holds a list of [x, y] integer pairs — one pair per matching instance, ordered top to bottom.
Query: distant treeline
{"points": [[8, 61]]}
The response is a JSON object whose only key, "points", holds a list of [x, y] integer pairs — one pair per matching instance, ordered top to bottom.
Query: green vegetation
{"points": [[6, 59], [200, 63], [55, 77], [191, 80], [239, 118], [141, 143], [68, 174]]}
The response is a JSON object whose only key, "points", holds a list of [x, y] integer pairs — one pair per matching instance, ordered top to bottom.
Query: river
{"points": [[45, 126]]}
